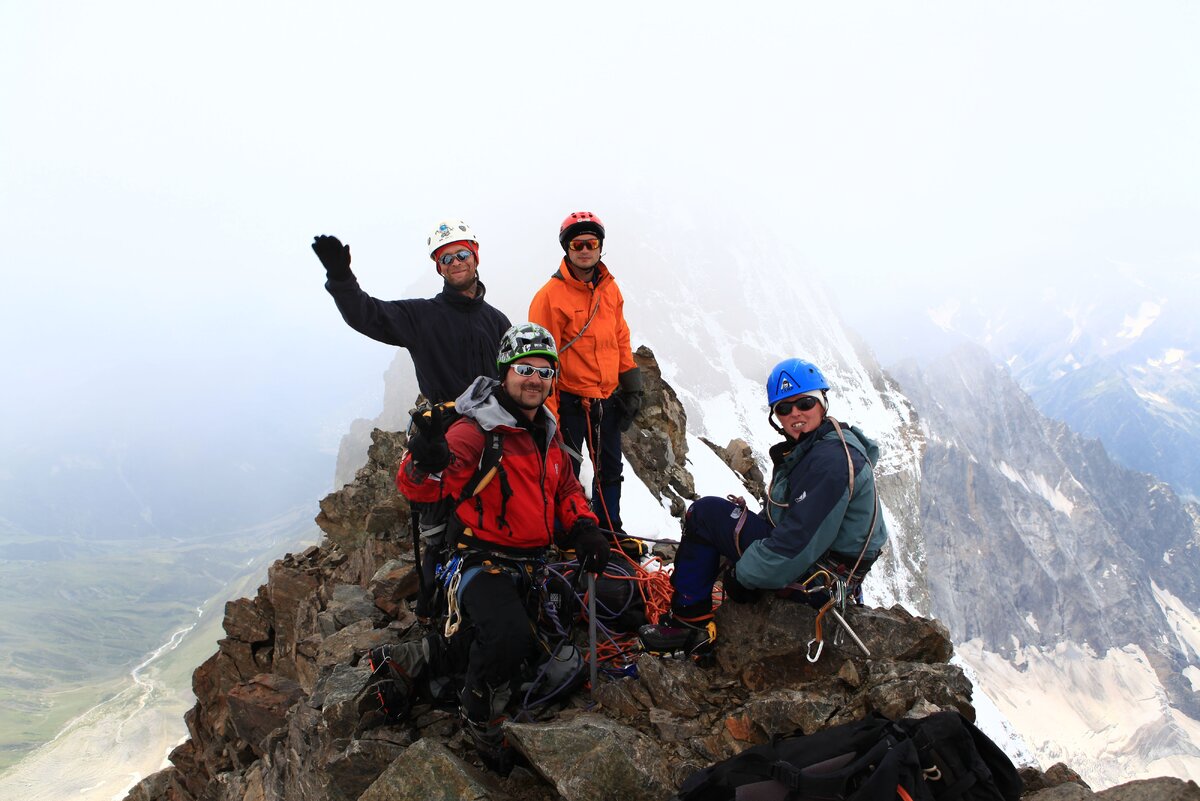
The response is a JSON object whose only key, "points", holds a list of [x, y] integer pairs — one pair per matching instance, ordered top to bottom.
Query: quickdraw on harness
{"points": [[467, 562], [829, 576]]}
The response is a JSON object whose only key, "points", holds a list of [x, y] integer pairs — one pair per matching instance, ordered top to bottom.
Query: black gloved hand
{"points": [[334, 256], [629, 396], [629, 404], [427, 444], [591, 546], [736, 591]]}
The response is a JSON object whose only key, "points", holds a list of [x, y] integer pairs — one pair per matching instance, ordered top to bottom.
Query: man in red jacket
{"points": [[600, 386], [507, 525]]}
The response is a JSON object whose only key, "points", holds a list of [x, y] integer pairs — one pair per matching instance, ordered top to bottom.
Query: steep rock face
{"points": [[1078, 536], [1035, 537]]}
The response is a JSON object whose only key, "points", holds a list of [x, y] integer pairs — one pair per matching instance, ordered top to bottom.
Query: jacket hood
{"points": [[479, 403], [856, 439]]}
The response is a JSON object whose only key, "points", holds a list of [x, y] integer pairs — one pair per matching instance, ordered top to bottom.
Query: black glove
{"points": [[334, 256], [629, 396], [628, 405], [427, 444], [591, 546], [736, 591]]}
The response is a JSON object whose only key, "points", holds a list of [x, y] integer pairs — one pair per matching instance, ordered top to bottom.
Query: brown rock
{"points": [[655, 446], [396, 581], [245, 621], [259, 706], [592, 758], [427, 770], [1167, 788]]}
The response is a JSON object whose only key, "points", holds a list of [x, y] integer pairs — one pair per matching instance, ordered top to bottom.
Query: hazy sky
{"points": [[163, 168]]}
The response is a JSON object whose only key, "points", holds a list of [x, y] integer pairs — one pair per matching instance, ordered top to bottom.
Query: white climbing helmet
{"points": [[448, 231]]}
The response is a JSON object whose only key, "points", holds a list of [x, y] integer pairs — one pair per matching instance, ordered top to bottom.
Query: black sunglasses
{"points": [[461, 255], [804, 404]]}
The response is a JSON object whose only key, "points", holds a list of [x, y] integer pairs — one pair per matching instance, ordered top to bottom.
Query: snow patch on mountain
{"points": [[943, 316], [1132, 327], [1172, 357], [1153, 399], [713, 476], [1038, 485], [652, 515], [1183, 621], [1105, 715], [992, 722]]}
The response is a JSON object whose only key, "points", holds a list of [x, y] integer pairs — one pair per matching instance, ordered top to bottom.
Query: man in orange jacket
{"points": [[599, 385]]}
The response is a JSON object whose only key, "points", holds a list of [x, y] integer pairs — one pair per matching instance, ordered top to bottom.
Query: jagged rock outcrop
{"points": [[656, 446], [739, 456], [284, 709]]}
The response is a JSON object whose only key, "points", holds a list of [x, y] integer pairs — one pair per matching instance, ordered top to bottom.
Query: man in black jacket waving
{"points": [[452, 337]]}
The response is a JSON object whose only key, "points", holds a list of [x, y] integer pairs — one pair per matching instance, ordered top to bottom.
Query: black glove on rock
{"points": [[334, 256], [629, 396], [630, 404], [427, 444], [591, 546], [735, 590]]}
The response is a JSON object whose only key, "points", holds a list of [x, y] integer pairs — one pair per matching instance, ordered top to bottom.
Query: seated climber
{"points": [[821, 513], [505, 526]]}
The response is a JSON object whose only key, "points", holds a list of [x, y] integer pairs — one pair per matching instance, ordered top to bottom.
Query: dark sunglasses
{"points": [[583, 244], [461, 255], [526, 370], [804, 404]]}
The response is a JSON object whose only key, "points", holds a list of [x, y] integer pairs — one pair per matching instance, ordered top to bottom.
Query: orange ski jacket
{"points": [[588, 324]]}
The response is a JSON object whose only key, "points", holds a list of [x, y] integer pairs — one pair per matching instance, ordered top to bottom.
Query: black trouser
{"points": [[603, 444], [502, 638]]}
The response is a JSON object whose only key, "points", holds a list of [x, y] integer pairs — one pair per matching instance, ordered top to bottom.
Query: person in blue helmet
{"points": [[821, 512]]}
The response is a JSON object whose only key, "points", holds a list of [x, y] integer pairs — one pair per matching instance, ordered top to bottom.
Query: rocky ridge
{"points": [[283, 710]]}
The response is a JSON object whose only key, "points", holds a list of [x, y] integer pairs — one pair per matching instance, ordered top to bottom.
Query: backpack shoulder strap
{"points": [[489, 464]]}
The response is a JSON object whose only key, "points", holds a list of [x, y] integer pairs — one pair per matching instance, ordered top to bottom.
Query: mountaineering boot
{"points": [[675, 635], [482, 710], [494, 750]]}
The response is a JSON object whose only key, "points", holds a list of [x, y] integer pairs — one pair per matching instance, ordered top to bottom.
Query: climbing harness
{"points": [[842, 585]]}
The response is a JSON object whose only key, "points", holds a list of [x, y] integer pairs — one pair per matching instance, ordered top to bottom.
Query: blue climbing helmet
{"points": [[793, 377]]}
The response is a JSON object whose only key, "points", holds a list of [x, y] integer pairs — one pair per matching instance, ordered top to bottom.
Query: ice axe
{"points": [[591, 591]]}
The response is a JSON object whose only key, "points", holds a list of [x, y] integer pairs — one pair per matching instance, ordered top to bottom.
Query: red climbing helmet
{"points": [[579, 222]]}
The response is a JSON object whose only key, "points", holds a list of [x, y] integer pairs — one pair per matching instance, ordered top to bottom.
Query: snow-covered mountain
{"points": [[1112, 355], [1069, 583]]}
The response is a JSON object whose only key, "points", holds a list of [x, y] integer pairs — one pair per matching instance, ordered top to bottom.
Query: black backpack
{"points": [[937, 758], [960, 761]]}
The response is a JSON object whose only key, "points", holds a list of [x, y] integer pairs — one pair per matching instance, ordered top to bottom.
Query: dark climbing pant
{"points": [[603, 444], [708, 536], [502, 638]]}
